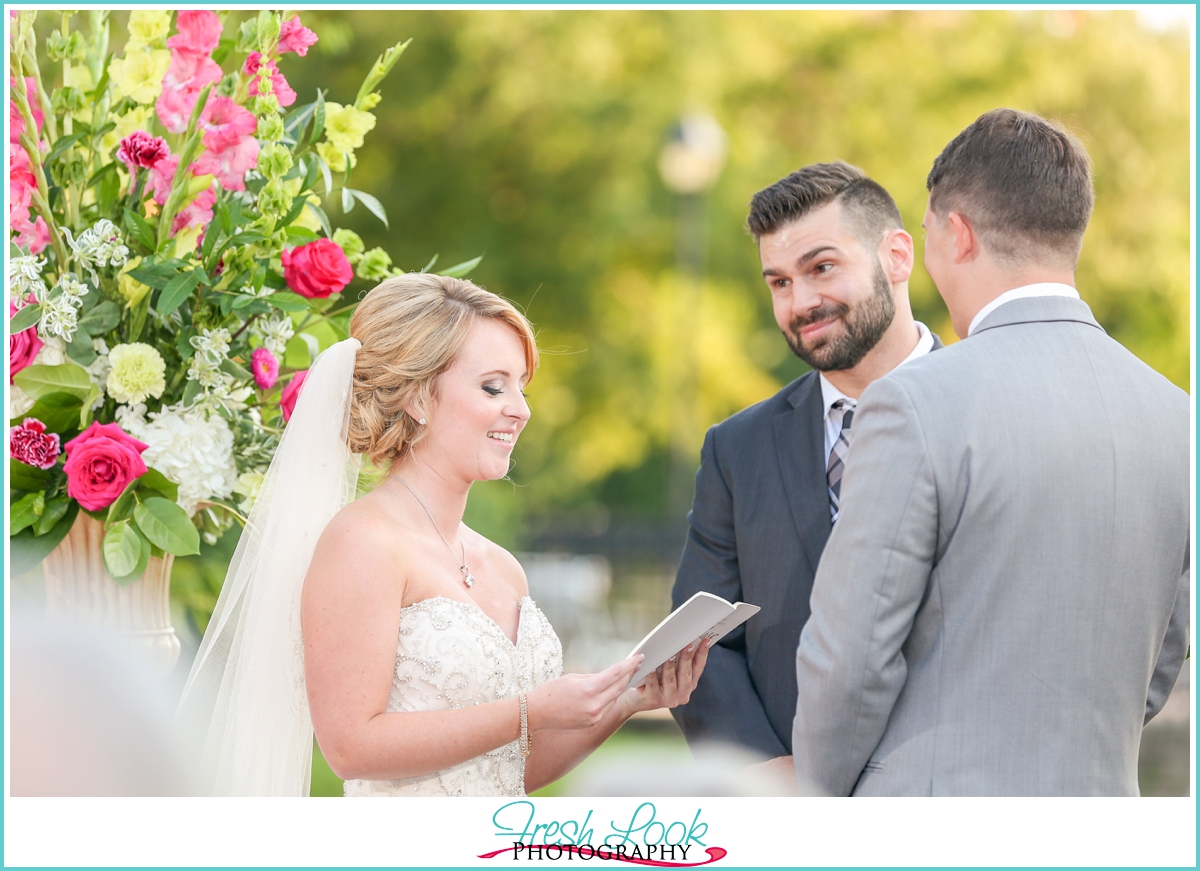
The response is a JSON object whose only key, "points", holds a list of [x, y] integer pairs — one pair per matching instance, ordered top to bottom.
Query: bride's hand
{"points": [[672, 683], [579, 701]]}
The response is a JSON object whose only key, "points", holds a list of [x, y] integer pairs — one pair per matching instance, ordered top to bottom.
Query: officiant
{"points": [[836, 260]]}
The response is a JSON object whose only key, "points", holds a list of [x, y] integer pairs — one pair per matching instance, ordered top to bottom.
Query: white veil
{"points": [[245, 697]]}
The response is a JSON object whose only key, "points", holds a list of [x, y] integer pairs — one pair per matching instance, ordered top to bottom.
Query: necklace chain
{"points": [[468, 578]]}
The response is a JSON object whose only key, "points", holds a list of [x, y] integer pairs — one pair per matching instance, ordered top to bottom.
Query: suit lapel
{"points": [[800, 443]]}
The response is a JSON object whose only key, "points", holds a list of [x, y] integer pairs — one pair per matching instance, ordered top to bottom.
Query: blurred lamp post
{"points": [[689, 164]]}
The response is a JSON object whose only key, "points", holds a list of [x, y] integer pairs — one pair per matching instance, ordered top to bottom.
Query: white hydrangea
{"points": [[274, 334], [52, 353], [191, 448]]}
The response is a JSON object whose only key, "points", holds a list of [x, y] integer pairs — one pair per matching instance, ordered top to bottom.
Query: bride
{"points": [[405, 639]]}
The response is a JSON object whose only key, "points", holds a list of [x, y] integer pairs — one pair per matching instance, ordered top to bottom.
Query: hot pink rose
{"points": [[199, 31], [294, 36], [282, 90], [16, 124], [140, 150], [316, 270], [23, 347], [265, 368], [291, 392], [32, 445], [101, 461]]}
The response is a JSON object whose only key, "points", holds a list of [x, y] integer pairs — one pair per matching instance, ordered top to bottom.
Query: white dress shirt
{"points": [[1045, 288], [830, 394]]}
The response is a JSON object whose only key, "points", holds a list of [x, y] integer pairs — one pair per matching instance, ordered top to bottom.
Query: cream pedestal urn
{"points": [[79, 590]]}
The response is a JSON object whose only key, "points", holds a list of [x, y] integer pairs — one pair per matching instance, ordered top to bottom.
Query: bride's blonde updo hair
{"points": [[412, 328]]}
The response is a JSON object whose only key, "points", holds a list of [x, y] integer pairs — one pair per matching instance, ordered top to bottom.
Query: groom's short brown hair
{"points": [[1023, 182], [868, 209]]}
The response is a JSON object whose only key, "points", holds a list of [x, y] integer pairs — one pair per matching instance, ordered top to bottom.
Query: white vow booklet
{"points": [[702, 616]]}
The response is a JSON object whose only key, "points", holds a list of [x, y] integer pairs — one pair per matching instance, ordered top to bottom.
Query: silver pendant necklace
{"points": [[468, 578]]}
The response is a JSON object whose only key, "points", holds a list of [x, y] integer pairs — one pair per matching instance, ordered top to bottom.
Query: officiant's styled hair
{"points": [[1023, 182], [866, 205], [412, 329]]}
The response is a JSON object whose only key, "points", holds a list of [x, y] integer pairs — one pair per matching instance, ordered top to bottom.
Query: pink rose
{"points": [[199, 31], [294, 36], [279, 86], [16, 124], [140, 150], [316, 270], [23, 347], [265, 368], [291, 392], [32, 445], [101, 461]]}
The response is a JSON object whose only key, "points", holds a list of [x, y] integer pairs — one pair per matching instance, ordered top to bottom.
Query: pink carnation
{"points": [[199, 31], [294, 36], [282, 90], [16, 124], [140, 150], [23, 347], [265, 368], [291, 392], [32, 445], [101, 461]]}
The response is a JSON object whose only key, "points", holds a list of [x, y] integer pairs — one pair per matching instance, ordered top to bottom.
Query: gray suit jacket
{"points": [[757, 527], [1003, 602]]}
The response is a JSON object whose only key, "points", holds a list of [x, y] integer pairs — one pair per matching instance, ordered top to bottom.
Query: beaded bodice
{"points": [[452, 655]]}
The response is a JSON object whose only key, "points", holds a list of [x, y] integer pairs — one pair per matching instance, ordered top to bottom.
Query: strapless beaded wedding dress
{"points": [[452, 655]]}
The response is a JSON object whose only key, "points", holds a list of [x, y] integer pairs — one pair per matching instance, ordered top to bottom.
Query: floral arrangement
{"points": [[172, 270]]}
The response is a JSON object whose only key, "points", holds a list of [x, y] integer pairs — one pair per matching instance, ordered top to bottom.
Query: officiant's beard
{"points": [[862, 328]]}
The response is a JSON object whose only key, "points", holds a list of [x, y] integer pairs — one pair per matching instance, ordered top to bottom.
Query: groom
{"points": [[836, 260], [1004, 601]]}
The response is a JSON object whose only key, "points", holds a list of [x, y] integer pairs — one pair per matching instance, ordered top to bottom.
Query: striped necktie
{"points": [[837, 456]]}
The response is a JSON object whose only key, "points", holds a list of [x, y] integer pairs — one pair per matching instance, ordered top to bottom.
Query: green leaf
{"points": [[319, 121], [61, 146], [107, 169], [311, 171], [326, 175], [107, 191], [347, 199], [373, 205], [294, 211], [224, 219], [322, 219], [140, 229], [301, 235], [246, 237], [429, 265], [461, 269], [149, 278], [177, 290], [241, 301], [287, 301], [140, 313], [24, 318], [102, 318], [183, 342], [80, 350], [231, 368], [39, 380], [190, 391], [85, 407], [58, 411], [26, 478], [153, 480], [119, 510], [25, 511], [54, 511], [167, 525], [121, 549], [27, 550], [147, 550]]}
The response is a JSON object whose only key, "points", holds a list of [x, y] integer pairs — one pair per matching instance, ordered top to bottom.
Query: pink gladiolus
{"points": [[199, 31], [294, 36], [186, 77], [282, 90], [225, 122], [16, 124], [140, 150], [231, 164], [162, 176], [199, 212], [31, 234], [35, 236], [23, 347], [265, 368], [291, 392], [29, 443]]}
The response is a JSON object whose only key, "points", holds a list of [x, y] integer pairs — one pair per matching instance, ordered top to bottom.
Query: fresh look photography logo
{"points": [[643, 838]]}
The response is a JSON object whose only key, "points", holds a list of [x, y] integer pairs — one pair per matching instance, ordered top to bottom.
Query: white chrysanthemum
{"points": [[52, 353], [136, 371], [194, 451]]}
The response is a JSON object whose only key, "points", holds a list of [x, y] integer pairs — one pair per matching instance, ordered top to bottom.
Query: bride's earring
{"points": [[421, 421]]}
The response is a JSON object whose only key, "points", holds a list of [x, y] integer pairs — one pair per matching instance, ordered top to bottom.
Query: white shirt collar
{"points": [[1046, 288], [830, 394]]}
